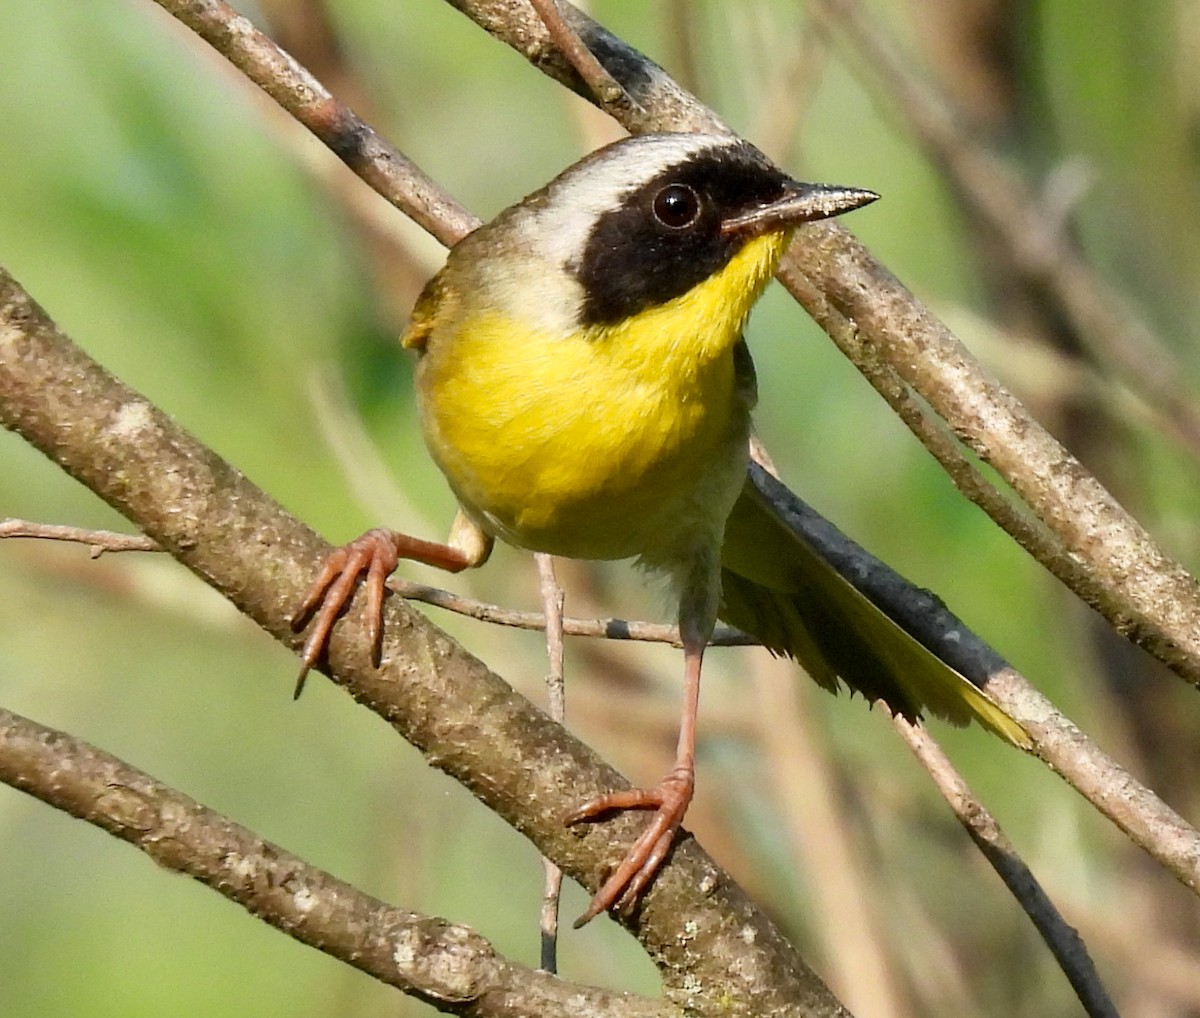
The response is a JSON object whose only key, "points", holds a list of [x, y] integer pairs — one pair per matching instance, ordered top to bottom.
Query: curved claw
{"points": [[374, 554], [670, 800]]}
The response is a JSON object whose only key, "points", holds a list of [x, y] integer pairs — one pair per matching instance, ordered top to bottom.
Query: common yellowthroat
{"points": [[583, 384]]}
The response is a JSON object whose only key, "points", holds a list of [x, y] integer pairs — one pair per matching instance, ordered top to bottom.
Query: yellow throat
{"points": [[511, 413]]}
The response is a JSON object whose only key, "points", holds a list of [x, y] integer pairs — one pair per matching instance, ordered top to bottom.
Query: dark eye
{"points": [[677, 206]]}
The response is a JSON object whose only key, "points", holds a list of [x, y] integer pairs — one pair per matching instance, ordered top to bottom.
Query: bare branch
{"points": [[608, 93], [658, 103], [351, 139], [1033, 232], [100, 541], [608, 629], [556, 706], [1064, 942], [449, 966]]}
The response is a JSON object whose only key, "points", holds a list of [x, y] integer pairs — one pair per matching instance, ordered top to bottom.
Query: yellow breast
{"points": [[597, 443]]}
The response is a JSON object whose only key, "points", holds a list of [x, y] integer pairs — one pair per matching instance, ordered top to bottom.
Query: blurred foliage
{"points": [[206, 251]]}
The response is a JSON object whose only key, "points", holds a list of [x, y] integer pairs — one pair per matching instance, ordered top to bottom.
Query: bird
{"points": [[583, 384]]}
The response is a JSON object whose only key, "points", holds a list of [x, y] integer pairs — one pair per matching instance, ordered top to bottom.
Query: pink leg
{"points": [[669, 798]]}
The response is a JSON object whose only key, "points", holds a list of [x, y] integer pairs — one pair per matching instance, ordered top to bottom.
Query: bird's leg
{"points": [[375, 555], [669, 798]]}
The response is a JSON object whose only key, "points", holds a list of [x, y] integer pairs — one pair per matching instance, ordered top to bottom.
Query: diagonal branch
{"points": [[606, 91], [347, 135], [1034, 240], [1062, 939], [448, 966]]}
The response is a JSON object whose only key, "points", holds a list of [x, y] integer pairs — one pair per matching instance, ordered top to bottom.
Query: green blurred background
{"points": [[211, 254]]}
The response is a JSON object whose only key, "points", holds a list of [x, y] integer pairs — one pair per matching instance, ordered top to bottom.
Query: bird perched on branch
{"points": [[584, 386]]}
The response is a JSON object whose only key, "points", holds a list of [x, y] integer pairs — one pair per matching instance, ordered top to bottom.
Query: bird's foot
{"points": [[375, 554], [669, 799]]}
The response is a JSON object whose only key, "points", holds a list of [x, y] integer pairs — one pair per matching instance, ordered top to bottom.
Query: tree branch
{"points": [[604, 89], [350, 138], [1035, 241], [97, 541], [100, 541], [1064, 942], [446, 965]]}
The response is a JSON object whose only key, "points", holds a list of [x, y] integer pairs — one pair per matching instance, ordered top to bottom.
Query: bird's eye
{"points": [[677, 206]]}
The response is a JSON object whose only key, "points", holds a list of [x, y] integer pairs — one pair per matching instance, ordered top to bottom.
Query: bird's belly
{"points": [[619, 465]]}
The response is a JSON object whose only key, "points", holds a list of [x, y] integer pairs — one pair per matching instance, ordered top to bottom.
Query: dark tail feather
{"points": [[779, 589]]}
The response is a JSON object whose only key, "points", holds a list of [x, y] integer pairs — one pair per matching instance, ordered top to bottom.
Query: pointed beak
{"points": [[800, 203]]}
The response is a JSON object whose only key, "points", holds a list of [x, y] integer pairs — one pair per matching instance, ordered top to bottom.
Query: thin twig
{"points": [[610, 95], [100, 541], [552, 605], [608, 629], [1064, 942], [442, 963]]}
